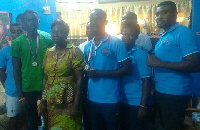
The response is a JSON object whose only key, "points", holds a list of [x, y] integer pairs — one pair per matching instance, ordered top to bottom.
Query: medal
{"points": [[34, 55], [34, 63], [87, 67]]}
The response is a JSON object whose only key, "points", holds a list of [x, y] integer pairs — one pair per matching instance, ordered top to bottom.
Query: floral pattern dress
{"points": [[60, 88]]}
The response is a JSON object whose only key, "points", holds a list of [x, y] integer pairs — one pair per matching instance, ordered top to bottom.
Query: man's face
{"points": [[165, 17], [97, 21], [31, 22], [1, 28], [16, 31], [128, 36]]}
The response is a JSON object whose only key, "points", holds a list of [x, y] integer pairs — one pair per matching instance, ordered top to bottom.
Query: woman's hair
{"points": [[61, 23]]}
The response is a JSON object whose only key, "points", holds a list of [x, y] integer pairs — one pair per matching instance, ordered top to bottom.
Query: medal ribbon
{"points": [[36, 47], [92, 53]]}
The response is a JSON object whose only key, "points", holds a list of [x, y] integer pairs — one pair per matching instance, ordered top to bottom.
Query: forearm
{"points": [[184, 66], [124, 69], [17, 75], [3, 76], [79, 83], [145, 91]]}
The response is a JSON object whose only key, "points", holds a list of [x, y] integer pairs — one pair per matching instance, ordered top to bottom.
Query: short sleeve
{"points": [[144, 42], [187, 42], [15, 50], [120, 50], [3, 58], [78, 60], [143, 68]]}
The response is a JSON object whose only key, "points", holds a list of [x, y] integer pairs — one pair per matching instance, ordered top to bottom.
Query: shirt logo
{"points": [[166, 42], [105, 51]]}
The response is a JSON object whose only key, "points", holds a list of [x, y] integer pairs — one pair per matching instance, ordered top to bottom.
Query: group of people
{"points": [[105, 83]]}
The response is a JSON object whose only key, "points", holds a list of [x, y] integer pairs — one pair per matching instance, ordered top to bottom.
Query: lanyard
{"points": [[36, 47], [92, 53]]}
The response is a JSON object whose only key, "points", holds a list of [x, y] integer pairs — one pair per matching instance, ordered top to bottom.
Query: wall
{"points": [[19, 6]]}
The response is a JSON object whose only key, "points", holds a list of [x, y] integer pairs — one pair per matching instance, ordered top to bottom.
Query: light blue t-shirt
{"points": [[173, 46], [105, 57], [6, 62], [132, 84]]}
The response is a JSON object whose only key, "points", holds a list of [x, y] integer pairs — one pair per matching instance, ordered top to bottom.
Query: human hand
{"points": [[153, 61], [92, 73], [22, 101], [142, 112]]}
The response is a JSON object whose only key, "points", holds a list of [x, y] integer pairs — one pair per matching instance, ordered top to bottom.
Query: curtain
{"points": [[77, 18]]}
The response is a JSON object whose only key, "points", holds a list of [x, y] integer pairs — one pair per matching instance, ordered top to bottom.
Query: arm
{"points": [[191, 63], [125, 69], [17, 75], [3, 76], [79, 78], [145, 94]]}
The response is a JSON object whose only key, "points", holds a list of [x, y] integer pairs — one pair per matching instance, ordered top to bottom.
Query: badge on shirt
{"points": [[166, 42]]}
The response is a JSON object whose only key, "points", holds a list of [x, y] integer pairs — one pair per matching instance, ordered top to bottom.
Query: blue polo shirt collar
{"points": [[171, 29], [105, 38], [132, 50]]}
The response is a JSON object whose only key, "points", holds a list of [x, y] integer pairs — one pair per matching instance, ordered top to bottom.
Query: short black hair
{"points": [[171, 4], [29, 11], [101, 13], [130, 16], [20, 17], [61, 23], [134, 27]]}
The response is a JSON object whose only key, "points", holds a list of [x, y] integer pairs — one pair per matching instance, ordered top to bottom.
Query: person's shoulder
{"points": [[182, 28], [43, 33], [43, 37], [19, 38], [115, 40], [5, 49], [141, 53]]}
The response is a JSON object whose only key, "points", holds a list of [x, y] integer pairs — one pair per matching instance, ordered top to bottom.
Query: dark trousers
{"points": [[172, 110], [31, 111], [104, 116], [129, 118]]}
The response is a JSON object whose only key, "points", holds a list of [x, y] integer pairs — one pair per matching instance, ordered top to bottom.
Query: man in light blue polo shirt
{"points": [[176, 56], [107, 61], [7, 79], [135, 87]]}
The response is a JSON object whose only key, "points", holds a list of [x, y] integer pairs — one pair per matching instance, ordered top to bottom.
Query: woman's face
{"points": [[1, 28], [59, 34]]}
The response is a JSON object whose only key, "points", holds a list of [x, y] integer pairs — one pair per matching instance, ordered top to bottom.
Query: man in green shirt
{"points": [[28, 52]]}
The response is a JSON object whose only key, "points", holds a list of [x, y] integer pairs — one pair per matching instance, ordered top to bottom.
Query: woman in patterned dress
{"points": [[63, 65]]}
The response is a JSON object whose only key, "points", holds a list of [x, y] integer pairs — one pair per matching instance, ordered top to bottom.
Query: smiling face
{"points": [[165, 17], [31, 22]]}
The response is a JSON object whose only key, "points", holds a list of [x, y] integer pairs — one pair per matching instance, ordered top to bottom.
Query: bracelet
{"points": [[143, 106]]}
